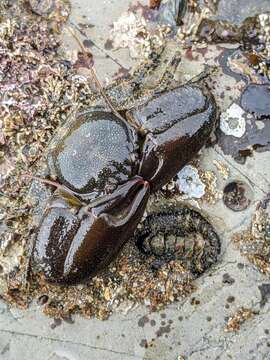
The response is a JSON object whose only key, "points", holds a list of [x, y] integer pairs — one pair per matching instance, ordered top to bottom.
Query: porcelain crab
{"points": [[109, 166]]}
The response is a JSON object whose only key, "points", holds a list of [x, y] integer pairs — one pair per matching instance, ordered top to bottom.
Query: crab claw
{"points": [[176, 125], [70, 248]]}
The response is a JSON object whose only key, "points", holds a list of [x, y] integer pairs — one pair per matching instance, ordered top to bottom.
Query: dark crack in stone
{"points": [[265, 294]]}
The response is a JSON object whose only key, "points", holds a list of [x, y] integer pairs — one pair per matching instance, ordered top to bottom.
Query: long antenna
{"points": [[94, 74], [45, 181], [58, 186]]}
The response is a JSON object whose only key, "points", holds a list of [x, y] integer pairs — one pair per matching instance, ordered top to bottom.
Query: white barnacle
{"points": [[233, 122], [189, 182]]}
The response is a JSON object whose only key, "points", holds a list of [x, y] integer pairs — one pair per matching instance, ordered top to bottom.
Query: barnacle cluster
{"points": [[132, 31], [255, 241]]}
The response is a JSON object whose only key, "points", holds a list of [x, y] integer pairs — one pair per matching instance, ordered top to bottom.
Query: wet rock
{"points": [[172, 11], [236, 11], [256, 100], [255, 138]]}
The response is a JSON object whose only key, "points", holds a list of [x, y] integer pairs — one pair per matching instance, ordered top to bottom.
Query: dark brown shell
{"points": [[178, 124], [96, 154]]}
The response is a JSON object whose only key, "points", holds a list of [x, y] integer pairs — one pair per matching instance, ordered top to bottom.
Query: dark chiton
{"points": [[182, 234]]}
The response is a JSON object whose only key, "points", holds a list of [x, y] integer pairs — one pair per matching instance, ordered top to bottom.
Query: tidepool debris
{"points": [[239, 318]]}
